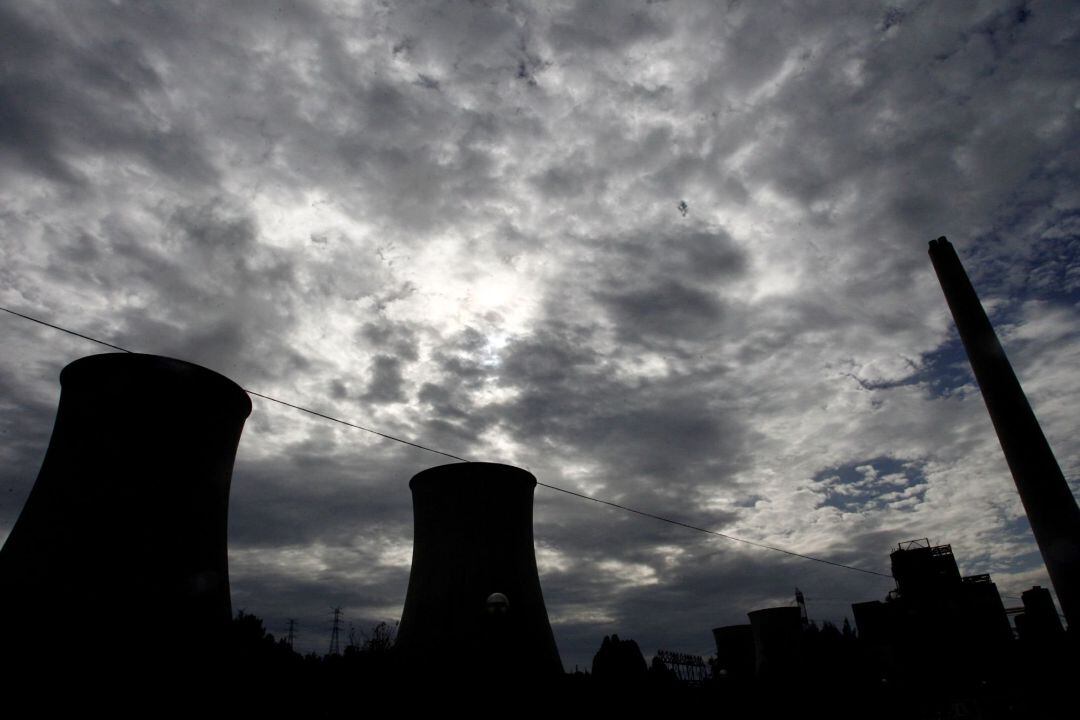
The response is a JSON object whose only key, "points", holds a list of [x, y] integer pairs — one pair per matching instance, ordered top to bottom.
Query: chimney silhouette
{"points": [[1050, 506], [125, 527], [474, 605]]}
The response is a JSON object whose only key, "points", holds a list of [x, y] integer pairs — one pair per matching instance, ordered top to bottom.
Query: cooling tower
{"points": [[1050, 506], [124, 532], [474, 604], [777, 640], [735, 651]]}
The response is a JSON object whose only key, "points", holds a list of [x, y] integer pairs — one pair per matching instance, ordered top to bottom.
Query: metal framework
{"points": [[689, 669]]}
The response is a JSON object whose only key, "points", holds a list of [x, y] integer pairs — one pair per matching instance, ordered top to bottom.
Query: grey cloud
{"points": [[592, 27], [427, 82], [53, 93], [571, 179], [701, 253], [709, 255], [668, 286], [233, 298], [669, 308], [400, 339], [461, 362], [385, 385], [443, 402], [644, 431], [311, 499]]}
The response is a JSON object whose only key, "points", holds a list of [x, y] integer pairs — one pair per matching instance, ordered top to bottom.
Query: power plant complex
{"points": [[128, 520]]}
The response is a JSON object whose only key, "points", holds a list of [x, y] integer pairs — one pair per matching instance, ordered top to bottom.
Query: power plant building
{"points": [[936, 613]]}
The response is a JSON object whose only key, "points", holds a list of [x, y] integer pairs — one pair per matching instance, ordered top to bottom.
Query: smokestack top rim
{"points": [[195, 379], [479, 470]]}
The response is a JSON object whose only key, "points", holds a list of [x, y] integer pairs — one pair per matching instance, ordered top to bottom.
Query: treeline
{"points": [[830, 672]]}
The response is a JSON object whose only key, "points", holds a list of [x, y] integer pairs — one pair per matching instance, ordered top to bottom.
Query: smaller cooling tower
{"points": [[124, 533], [474, 604], [777, 640], [735, 651]]}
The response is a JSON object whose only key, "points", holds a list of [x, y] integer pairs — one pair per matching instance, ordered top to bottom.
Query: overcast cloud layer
{"points": [[458, 223]]}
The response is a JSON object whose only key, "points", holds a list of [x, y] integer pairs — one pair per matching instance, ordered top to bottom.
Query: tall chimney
{"points": [[1050, 506], [125, 528], [474, 605]]}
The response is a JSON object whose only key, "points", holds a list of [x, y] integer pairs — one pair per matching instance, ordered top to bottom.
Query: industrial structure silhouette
{"points": [[1050, 506], [128, 516], [474, 591]]}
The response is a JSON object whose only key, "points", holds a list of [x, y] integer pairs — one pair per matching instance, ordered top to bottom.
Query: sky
{"points": [[459, 223]]}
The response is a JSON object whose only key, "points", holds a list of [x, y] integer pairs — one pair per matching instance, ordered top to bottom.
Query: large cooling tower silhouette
{"points": [[1050, 506], [124, 532], [474, 604]]}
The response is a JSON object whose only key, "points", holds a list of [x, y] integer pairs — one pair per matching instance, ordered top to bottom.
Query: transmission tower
{"points": [[801, 602], [291, 632], [335, 642]]}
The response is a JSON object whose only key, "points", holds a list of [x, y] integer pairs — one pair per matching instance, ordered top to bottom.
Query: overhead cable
{"points": [[582, 496]]}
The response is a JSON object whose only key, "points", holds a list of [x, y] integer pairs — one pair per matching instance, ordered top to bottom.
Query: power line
{"points": [[69, 332], [250, 392], [354, 425], [600, 501], [712, 532]]}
